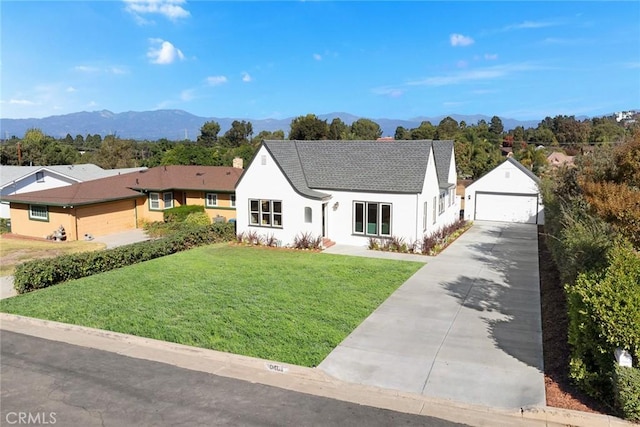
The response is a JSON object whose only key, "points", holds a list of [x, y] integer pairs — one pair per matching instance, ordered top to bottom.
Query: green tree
{"points": [[308, 127], [447, 128], [496, 128], [338, 129], [366, 129], [425, 131], [209, 133], [240, 133], [402, 133], [267, 135], [32, 147], [115, 153], [60, 154], [191, 154]]}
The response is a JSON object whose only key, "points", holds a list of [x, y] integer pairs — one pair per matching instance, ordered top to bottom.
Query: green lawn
{"points": [[289, 306]]}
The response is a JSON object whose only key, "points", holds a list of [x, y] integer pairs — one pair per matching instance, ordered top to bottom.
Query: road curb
{"points": [[297, 378]]}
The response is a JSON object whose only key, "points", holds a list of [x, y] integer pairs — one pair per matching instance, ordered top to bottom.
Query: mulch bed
{"points": [[561, 393]]}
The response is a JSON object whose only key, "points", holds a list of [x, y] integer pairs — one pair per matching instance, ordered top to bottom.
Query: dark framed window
{"points": [[40, 176], [265, 213], [372, 218]]}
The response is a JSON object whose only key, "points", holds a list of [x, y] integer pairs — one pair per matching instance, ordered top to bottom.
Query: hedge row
{"points": [[180, 213], [600, 271], [42, 273], [627, 392]]}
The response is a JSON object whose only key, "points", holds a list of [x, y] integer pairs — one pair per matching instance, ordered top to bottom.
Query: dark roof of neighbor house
{"points": [[368, 166], [131, 185]]}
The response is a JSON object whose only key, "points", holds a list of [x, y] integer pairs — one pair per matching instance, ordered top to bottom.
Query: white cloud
{"points": [[170, 9], [528, 25], [460, 40], [163, 52], [490, 56], [317, 57], [462, 64], [86, 69], [118, 70], [488, 73], [246, 77], [216, 80], [71, 89], [391, 92], [187, 95], [21, 102]]}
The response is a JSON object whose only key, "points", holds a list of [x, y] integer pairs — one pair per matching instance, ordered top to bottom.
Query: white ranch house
{"points": [[348, 191]]}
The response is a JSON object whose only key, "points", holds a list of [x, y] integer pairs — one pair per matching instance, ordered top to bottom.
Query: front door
{"points": [[324, 219]]}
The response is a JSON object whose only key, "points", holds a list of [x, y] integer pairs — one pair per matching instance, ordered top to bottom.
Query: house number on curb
{"points": [[274, 367]]}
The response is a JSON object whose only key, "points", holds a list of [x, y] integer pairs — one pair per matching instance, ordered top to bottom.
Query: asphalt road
{"points": [[46, 382]]}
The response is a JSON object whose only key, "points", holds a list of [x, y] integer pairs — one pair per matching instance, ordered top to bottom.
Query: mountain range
{"points": [[179, 124]]}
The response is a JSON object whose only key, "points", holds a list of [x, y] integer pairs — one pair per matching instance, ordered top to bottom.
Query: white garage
{"points": [[508, 193]]}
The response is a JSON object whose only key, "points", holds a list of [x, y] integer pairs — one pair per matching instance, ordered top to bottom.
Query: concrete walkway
{"points": [[123, 238], [465, 327]]}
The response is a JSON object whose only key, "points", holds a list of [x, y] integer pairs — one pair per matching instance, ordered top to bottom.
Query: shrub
{"points": [[180, 213], [197, 218], [5, 225], [307, 241], [42, 273], [604, 314], [626, 385]]}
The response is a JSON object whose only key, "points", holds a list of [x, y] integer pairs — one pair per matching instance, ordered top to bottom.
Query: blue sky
{"points": [[523, 60]]}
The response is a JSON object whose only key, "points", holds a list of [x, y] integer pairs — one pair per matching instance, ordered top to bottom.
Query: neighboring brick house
{"points": [[123, 202]]}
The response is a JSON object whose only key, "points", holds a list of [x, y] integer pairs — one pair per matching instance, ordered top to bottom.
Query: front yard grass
{"points": [[14, 251], [289, 306]]}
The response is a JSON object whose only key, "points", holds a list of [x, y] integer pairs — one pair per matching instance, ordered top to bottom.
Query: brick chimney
{"points": [[238, 163]]}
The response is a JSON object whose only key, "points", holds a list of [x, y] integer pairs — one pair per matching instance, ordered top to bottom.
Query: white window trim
{"points": [[164, 199], [206, 200], [156, 201], [365, 207], [272, 215], [35, 216]]}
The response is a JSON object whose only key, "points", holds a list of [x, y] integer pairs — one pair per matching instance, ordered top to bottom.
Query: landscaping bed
{"points": [[560, 392]]}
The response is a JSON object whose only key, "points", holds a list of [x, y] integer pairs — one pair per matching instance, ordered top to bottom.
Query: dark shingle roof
{"points": [[442, 151], [380, 166], [161, 178]]}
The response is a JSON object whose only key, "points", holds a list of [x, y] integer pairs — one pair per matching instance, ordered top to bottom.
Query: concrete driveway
{"points": [[465, 327]]}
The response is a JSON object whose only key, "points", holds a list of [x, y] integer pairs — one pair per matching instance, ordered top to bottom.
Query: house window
{"points": [[263, 159], [40, 176], [443, 195], [167, 198], [211, 200], [233, 200], [154, 201], [434, 209], [38, 212], [265, 213], [308, 214], [424, 216], [372, 218]]}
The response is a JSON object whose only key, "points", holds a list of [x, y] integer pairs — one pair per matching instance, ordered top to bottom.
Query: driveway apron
{"points": [[465, 327]]}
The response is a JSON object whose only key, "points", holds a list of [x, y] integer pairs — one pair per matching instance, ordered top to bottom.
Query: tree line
{"points": [[479, 147]]}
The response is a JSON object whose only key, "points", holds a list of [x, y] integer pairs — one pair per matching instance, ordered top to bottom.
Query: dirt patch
{"points": [[561, 393]]}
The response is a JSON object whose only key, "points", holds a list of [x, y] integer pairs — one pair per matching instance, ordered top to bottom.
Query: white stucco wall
{"points": [[504, 178], [266, 182]]}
